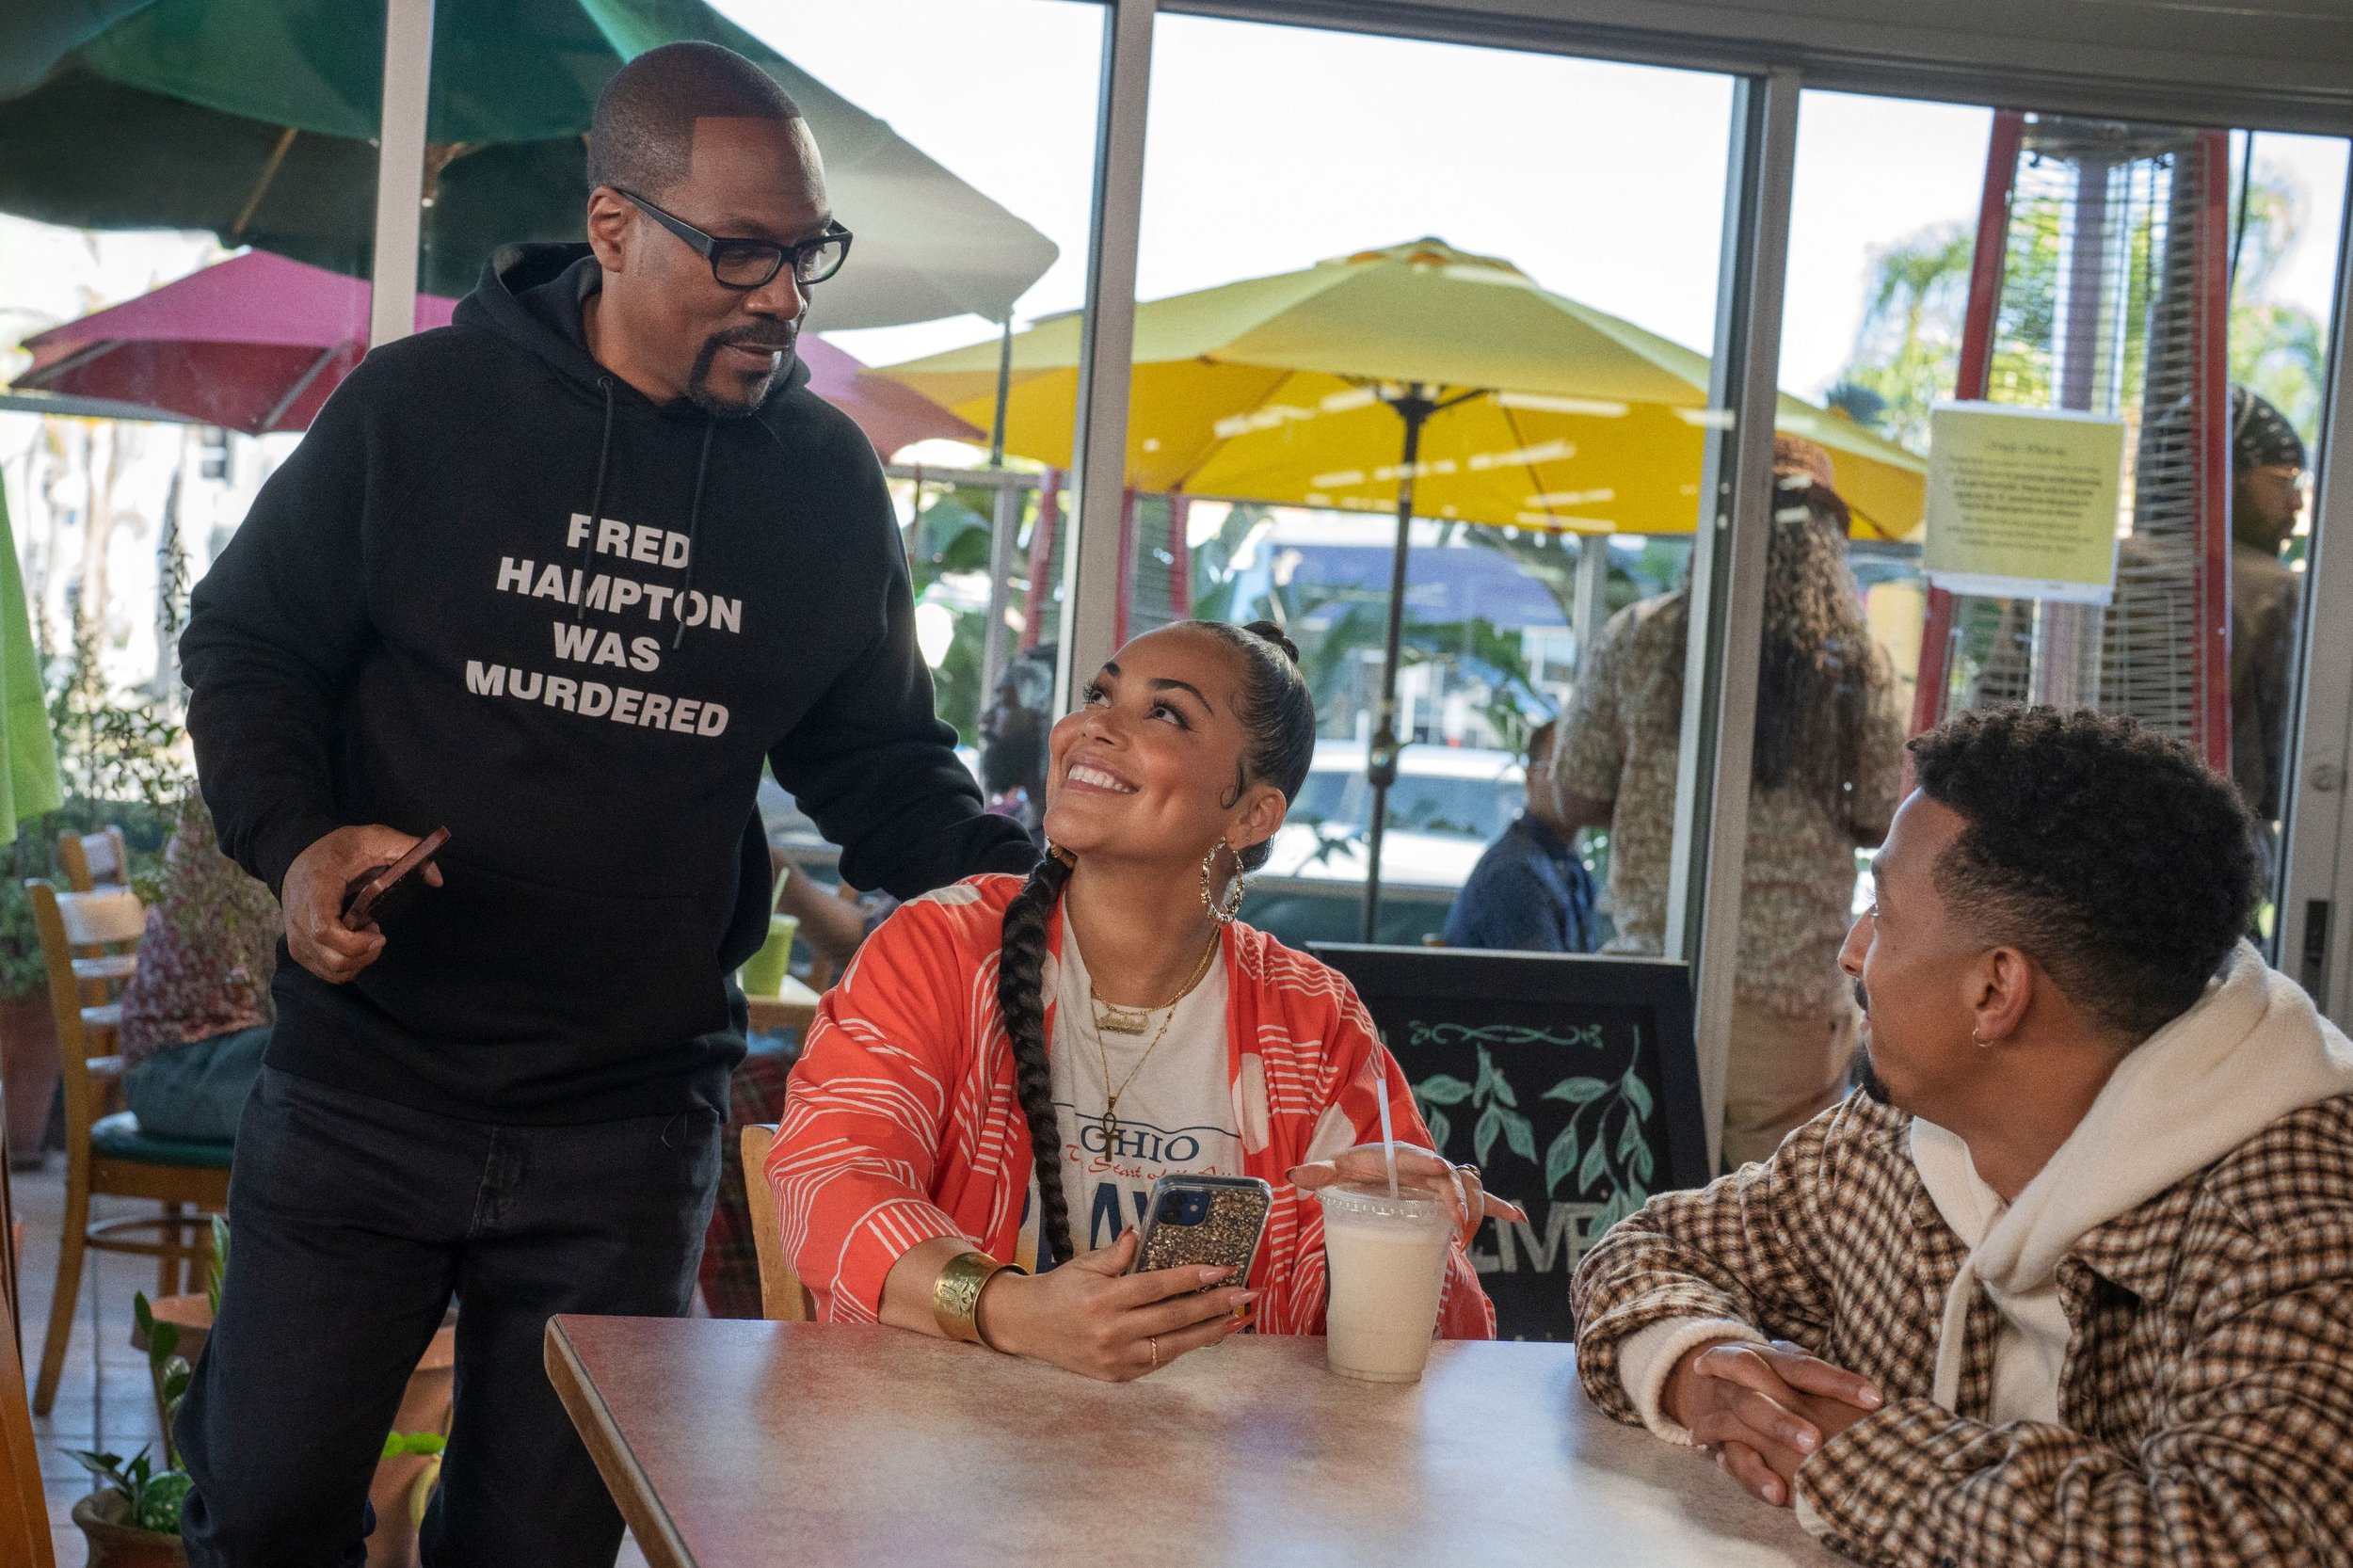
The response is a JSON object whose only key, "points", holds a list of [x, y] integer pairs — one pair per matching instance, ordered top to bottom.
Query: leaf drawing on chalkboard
{"points": [[1442, 1089], [1483, 1135], [1604, 1142], [1559, 1160]]}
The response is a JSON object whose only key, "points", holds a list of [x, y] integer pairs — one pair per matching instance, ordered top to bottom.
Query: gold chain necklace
{"points": [[1134, 1020], [1110, 1103]]}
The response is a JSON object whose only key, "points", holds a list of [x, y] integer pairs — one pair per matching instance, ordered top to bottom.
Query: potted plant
{"points": [[412, 1463], [133, 1519]]}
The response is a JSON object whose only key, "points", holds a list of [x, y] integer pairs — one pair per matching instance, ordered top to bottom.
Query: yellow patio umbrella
{"points": [[1416, 379], [1276, 390]]}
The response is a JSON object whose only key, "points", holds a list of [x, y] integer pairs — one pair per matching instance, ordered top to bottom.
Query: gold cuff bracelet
{"points": [[956, 1294]]}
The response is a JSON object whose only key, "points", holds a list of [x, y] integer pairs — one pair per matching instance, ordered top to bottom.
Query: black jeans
{"points": [[352, 1223]]}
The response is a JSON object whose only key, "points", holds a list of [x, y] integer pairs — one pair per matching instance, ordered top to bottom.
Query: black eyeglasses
{"points": [[751, 263]]}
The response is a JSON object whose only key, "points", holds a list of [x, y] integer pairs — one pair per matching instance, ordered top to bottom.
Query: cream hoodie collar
{"points": [[2250, 1050]]}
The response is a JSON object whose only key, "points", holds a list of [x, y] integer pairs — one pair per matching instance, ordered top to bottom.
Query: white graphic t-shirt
{"points": [[1177, 1114]]}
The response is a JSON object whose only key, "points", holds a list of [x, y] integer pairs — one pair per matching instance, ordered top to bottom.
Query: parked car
{"points": [[1447, 805]]}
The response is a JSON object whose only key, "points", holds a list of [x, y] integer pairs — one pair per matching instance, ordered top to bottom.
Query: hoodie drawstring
{"points": [[596, 508], [694, 516]]}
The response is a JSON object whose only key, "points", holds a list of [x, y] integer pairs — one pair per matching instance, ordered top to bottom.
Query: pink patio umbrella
{"points": [[256, 343]]}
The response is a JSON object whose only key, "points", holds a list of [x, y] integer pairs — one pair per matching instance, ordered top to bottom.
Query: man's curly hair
{"points": [[2111, 854]]}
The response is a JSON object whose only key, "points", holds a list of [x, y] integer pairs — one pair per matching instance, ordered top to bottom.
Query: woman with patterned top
{"points": [[196, 1016], [1011, 1063]]}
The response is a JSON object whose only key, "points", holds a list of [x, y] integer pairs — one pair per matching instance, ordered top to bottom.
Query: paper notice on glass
{"points": [[2022, 503]]}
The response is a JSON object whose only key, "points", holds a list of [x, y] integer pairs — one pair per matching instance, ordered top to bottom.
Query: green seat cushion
{"points": [[118, 1137]]}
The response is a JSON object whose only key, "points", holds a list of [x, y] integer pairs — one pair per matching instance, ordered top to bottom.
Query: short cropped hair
{"points": [[642, 138], [2113, 855]]}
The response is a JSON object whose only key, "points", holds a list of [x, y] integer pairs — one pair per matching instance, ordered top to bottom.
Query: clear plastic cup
{"points": [[1386, 1257]]}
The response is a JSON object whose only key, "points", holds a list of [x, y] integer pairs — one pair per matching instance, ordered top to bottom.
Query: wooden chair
{"points": [[89, 860], [103, 930], [108, 1154], [783, 1297], [23, 1507]]}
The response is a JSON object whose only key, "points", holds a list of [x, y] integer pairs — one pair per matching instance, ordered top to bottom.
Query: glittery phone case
{"points": [[1225, 1237]]}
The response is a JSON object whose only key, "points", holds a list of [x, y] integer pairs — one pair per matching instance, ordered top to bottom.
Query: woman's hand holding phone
{"points": [[312, 898], [1092, 1316]]}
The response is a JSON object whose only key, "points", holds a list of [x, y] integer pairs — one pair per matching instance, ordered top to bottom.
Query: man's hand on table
{"points": [[312, 898], [1090, 1316], [1763, 1409]]}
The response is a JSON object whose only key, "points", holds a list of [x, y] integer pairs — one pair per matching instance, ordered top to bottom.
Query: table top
{"points": [[793, 1007], [730, 1442]]}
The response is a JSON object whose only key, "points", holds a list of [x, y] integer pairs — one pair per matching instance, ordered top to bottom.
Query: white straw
{"points": [[1388, 1139]]}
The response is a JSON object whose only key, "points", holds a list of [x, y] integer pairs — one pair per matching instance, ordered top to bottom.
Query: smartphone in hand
{"points": [[372, 894], [1204, 1219]]}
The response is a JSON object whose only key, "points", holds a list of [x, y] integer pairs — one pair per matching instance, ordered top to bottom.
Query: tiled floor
{"points": [[103, 1398]]}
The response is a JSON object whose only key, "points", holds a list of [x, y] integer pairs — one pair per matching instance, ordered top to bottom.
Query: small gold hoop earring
{"points": [[1208, 888], [1977, 1041]]}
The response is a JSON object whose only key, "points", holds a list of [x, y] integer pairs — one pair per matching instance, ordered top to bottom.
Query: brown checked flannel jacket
{"points": [[2207, 1394]]}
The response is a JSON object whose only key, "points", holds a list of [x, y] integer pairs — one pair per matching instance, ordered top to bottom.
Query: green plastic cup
{"points": [[762, 974]]}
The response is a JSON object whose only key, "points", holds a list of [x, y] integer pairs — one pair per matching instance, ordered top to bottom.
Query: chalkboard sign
{"points": [[1569, 1080]]}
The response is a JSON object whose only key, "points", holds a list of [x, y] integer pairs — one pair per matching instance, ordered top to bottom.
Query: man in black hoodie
{"points": [[561, 578]]}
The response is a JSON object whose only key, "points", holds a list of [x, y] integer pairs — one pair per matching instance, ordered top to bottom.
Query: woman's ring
{"points": [[1154, 1346]]}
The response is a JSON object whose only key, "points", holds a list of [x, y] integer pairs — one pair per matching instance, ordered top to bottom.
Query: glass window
{"points": [[999, 98], [968, 204], [1396, 233], [2100, 298]]}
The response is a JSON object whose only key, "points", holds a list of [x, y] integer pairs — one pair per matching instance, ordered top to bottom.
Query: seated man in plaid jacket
{"points": [[2070, 1280]]}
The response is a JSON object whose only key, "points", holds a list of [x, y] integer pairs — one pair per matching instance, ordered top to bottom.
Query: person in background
{"points": [[2267, 480], [561, 577], [1013, 738], [1822, 783], [1529, 891], [195, 1014], [1013, 1063], [2069, 1280]]}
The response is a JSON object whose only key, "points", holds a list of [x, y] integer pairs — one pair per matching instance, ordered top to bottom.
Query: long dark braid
{"points": [[1280, 716], [1021, 998]]}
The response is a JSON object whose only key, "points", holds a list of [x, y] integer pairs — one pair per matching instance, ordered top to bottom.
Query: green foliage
{"points": [[1908, 350], [119, 762], [220, 1263], [166, 1369], [152, 1498]]}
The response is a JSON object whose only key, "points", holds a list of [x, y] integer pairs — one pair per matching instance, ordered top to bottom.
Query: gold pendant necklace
{"points": [[1114, 1018], [1109, 1118]]}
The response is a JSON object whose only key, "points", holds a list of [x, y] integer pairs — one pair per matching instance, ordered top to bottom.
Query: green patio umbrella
{"points": [[253, 118], [28, 754]]}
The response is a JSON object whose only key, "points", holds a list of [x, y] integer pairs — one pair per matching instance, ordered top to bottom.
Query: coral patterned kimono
{"points": [[902, 1125]]}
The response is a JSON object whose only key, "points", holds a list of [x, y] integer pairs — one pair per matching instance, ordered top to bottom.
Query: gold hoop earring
{"points": [[1208, 886], [1975, 1040]]}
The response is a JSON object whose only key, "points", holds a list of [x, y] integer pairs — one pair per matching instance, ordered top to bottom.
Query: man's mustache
{"points": [[770, 340]]}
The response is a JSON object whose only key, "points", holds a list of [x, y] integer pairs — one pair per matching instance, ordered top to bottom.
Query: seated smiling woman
{"points": [[1011, 1063]]}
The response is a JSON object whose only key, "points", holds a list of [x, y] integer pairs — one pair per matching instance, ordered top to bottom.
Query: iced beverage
{"points": [[763, 972], [1386, 1259]]}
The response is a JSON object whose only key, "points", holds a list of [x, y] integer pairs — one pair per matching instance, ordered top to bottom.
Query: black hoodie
{"points": [[418, 625]]}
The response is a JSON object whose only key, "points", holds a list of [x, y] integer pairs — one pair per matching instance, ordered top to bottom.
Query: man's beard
{"points": [[698, 388], [1866, 1075]]}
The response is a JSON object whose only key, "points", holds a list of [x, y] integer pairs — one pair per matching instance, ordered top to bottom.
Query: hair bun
{"points": [[1274, 633]]}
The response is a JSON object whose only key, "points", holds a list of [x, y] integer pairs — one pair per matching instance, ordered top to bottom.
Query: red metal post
{"points": [[1977, 363], [1041, 593]]}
